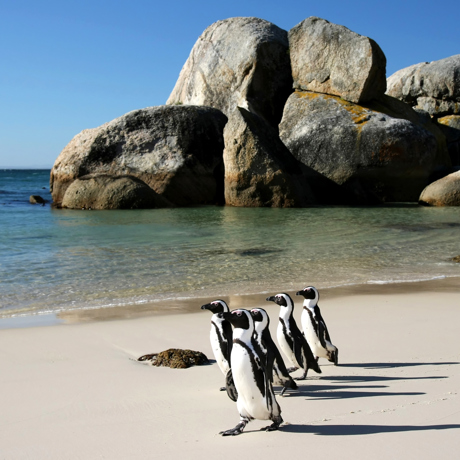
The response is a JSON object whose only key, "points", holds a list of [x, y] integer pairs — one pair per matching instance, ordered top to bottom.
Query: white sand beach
{"points": [[75, 391]]}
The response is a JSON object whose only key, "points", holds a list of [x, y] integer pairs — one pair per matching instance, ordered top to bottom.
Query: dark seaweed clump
{"points": [[176, 358]]}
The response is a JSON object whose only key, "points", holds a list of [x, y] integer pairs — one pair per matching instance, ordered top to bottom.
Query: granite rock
{"points": [[331, 59], [238, 62], [431, 86], [450, 127], [176, 151], [380, 152], [259, 169], [105, 191], [443, 192]]}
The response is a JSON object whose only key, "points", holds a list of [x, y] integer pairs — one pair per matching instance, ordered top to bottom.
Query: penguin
{"points": [[314, 327], [221, 337], [291, 340], [274, 361], [256, 399]]}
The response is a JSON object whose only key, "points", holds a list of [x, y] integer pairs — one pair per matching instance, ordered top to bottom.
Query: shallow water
{"points": [[54, 260]]}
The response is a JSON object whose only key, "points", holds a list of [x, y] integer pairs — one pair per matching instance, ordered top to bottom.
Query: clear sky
{"points": [[70, 65]]}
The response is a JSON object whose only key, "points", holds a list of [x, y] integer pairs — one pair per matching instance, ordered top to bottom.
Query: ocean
{"points": [[54, 260]]}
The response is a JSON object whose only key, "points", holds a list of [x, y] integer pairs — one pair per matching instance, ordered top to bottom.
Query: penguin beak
{"points": [[297, 293], [271, 298], [206, 307]]}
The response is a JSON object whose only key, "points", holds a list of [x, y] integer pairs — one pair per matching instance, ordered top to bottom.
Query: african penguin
{"points": [[314, 327], [221, 336], [291, 340], [274, 361], [256, 399]]}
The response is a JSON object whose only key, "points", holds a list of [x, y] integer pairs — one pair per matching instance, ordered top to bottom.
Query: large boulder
{"points": [[331, 59], [238, 62], [430, 86], [450, 127], [177, 151], [380, 152], [259, 169], [111, 192], [443, 192]]}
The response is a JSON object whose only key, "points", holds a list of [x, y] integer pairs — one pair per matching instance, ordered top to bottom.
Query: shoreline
{"points": [[192, 305], [78, 392]]}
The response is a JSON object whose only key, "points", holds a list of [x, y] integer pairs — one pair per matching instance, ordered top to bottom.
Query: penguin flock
{"points": [[252, 363]]}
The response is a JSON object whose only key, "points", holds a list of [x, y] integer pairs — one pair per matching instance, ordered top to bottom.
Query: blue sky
{"points": [[69, 66]]}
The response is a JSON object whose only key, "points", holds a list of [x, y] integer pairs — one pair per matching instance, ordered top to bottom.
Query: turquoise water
{"points": [[53, 260]]}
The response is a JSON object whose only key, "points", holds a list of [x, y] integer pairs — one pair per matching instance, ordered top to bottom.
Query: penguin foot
{"points": [[334, 357], [292, 369], [304, 376], [223, 389], [274, 426], [235, 431]]}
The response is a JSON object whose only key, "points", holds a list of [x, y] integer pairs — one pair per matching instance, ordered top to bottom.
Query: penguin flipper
{"points": [[322, 324], [228, 333], [322, 333], [298, 346], [230, 386]]}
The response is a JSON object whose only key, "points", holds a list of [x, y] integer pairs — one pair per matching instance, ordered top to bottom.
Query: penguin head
{"points": [[310, 293], [283, 300], [216, 306], [240, 319], [261, 319]]}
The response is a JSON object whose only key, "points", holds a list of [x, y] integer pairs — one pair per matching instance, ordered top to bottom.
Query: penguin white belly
{"points": [[311, 337], [285, 348], [220, 360], [250, 403]]}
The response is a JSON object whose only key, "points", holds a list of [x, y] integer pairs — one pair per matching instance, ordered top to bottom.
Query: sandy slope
{"points": [[76, 392]]}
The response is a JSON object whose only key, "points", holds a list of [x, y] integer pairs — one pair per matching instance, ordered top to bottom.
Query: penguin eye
{"points": [[238, 313]]}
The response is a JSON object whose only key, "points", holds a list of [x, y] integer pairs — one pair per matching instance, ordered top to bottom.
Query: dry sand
{"points": [[75, 391]]}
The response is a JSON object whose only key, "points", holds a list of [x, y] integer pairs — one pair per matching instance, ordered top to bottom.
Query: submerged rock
{"points": [[331, 59], [238, 62], [176, 151], [383, 151], [259, 169], [443, 192], [36, 199], [176, 358]]}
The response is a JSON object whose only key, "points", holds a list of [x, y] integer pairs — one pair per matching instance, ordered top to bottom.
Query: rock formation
{"points": [[329, 58], [238, 62], [430, 86], [450, 127], [338, 139], [177, 151], [382, 151], [259, 169], [106, 191], [443, 192]]}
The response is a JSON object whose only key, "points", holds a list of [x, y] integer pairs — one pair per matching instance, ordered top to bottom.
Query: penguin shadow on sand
{"points": [[395, 365], [361, 386], [360, 430]]}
